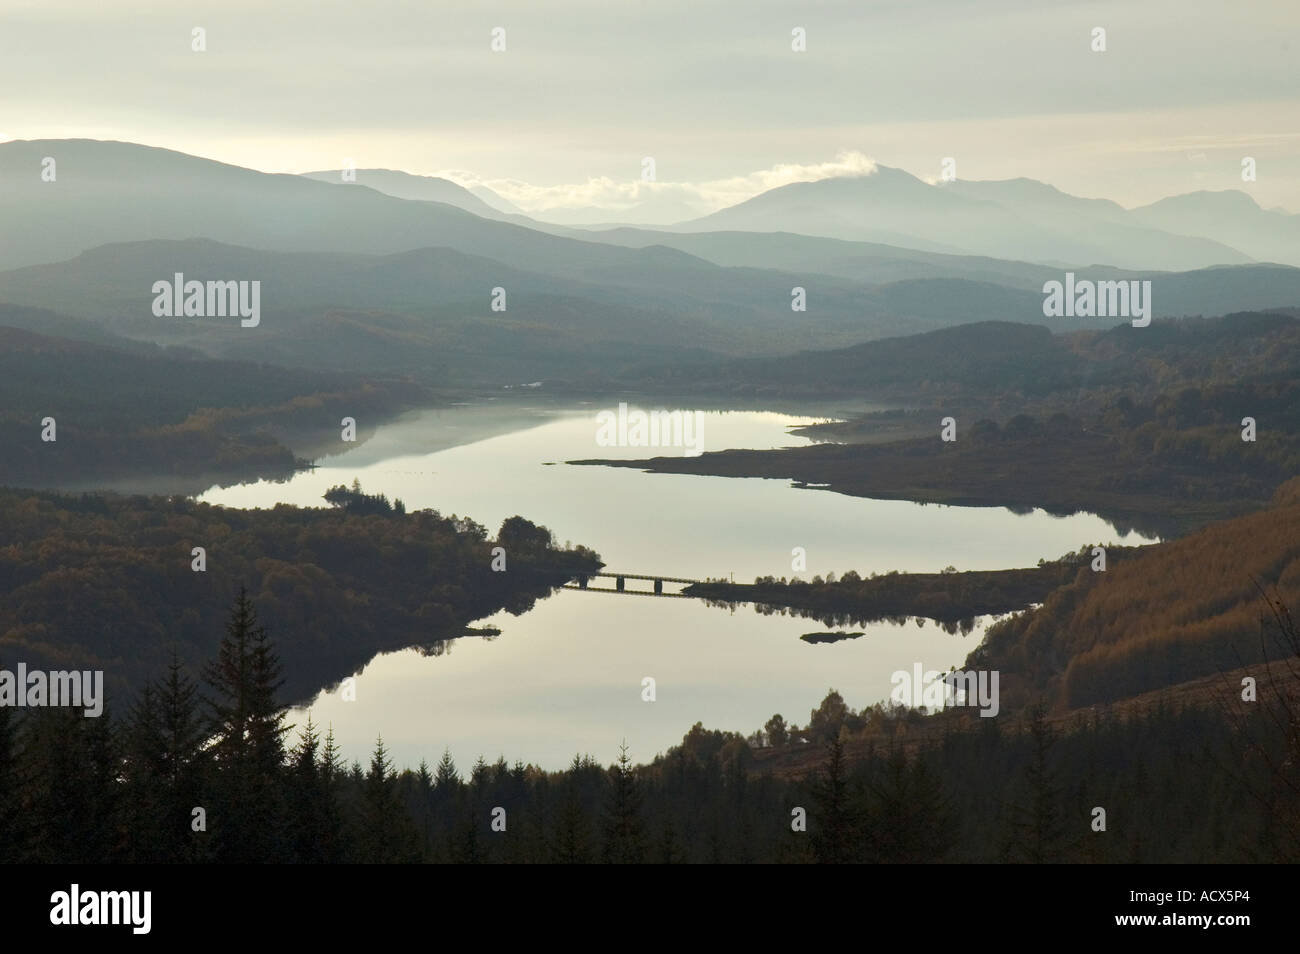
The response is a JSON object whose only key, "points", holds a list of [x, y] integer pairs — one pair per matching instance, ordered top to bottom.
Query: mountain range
{"points": [[1020, 219], [398, 272]]}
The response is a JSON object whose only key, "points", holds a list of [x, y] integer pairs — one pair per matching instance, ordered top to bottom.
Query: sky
{"points": [[584, 90]]}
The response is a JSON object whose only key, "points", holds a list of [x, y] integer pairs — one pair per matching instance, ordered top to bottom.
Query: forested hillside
{"points": [[108, 582], [1186, 609]]}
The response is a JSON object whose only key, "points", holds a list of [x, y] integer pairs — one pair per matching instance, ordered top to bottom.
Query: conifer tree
{"points": [[248, 725], [248, 728], [184, 764], [163, 770], [142, 772], [446, 780], [424, 783], [68, 806], [380, 807], [909, 819], [314, 821], [836, 821], [624, 832], [1037, 832], [386, 834], [570, 841], [336, 847]]}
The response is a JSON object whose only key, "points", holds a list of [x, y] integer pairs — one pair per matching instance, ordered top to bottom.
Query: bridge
{"points": [[620, 584]]}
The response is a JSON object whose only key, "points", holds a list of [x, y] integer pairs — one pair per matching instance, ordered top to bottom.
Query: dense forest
{"points": [[112, 582], [946, 597], [1171, 613], [210, 772]]}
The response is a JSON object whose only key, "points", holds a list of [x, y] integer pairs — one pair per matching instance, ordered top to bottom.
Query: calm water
{"points": [[566, 677]]}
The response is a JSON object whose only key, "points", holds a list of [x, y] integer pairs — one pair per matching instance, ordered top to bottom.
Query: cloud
{"points": [[687, 198]]}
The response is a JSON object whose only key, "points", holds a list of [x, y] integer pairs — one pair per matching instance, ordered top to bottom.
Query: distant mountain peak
{"points": [[1234, 199]]}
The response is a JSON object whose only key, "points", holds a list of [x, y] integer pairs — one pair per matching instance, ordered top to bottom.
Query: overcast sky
{"points": [[711, 90]]}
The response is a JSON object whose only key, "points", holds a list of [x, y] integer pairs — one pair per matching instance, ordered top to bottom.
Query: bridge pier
{"points": [[620, 584], [659, 586]]}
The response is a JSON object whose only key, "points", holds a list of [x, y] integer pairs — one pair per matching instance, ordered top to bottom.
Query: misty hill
{"points": [[403, 185], [122, 192], [1034, 199], [1232, 217], [1019, 219], [870, 262], [1212, 291], [436, 303], [428, 310], [51, 323], [983, 356], [974, 362], [161, 412]]}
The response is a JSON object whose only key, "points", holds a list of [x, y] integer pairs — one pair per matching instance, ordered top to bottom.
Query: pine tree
{"points": [[181, 724], [248, 725], [143, 749], [249, 749], [303, 760], [331, 762], [184, 765], [164, 769], [480, 777], [446, 780], [424, 783], [69, 797], [909, 818], [836, 819], [314, 821], [624, 833], [1038, 834], [387, 836], [570, 842], [336, 847]]}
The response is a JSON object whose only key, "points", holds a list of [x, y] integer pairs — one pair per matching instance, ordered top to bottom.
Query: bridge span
{"points": [[620, 584]]}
